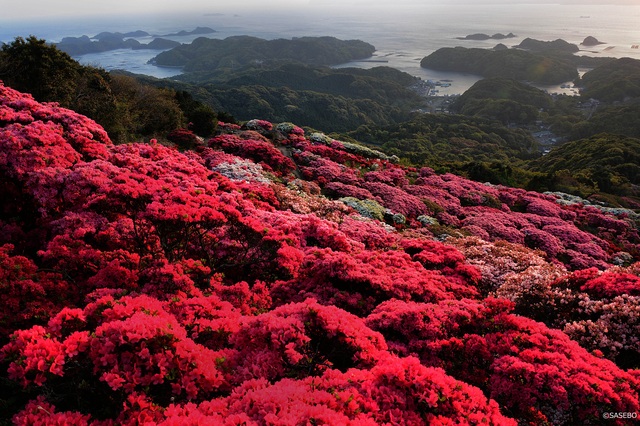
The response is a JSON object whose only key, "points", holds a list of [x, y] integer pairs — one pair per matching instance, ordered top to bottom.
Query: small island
{"points": [[197, 31], [106, 35], [482, 36], [591, 41], [558, 45]]}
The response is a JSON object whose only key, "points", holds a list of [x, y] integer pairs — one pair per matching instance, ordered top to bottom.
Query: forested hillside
{"points": [[617, 80], [321, 97], [503, 99], [448, 142], [609, 163]]}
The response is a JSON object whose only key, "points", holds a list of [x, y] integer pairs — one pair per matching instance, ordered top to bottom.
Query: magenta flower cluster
{"points": [[229, 285]]}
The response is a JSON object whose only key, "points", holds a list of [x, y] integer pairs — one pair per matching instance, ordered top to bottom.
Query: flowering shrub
{"points": [[259, 125], [228, 126], [290, 132], [183, 138], [254, 149], [333, 153], [242, 170], [325, 171], [341, 190], [397, 200], [374, 235], [20, 280], [255, 281], [358, 282], [611, 284], [598, 310], [605, 311], [301, 340], [525, 366], [397, 390], [39, 412]]}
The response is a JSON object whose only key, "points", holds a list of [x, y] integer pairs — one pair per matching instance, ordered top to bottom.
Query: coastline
{"points": [[403, 36]]}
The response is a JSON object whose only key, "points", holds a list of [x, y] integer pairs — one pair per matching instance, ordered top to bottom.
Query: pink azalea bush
{"points": [[240, 283]]}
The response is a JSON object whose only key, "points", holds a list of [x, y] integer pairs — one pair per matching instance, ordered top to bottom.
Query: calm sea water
{"points": [[402, 36]]}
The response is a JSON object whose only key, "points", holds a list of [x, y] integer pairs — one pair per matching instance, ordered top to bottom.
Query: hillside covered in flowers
{"points": [[273, 277]]}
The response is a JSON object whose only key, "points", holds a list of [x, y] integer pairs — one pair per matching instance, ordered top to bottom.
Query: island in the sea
{"points": [[197, 31], [482, 36], [591, 41], [558, 45], [206, 54], [532, 65]]}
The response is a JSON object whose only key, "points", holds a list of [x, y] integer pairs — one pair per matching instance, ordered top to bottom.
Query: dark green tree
{"points": [[35, 67], [50, 75], [144, 110], [202, 119]]}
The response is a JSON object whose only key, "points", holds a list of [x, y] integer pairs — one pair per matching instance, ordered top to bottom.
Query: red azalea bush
{"points": [[259, 125], [183, 138], [254, 149], [337, 155], [323, 170], [339, 190], [396, 200], [373, 234], [21, 281], [358, 282], [611, 284], [147, 285], [599, 310], [300, 340], [536, 372], [401, 391]]}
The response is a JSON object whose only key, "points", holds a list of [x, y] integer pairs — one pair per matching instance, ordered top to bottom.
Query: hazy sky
{"points": [[25, 9]]}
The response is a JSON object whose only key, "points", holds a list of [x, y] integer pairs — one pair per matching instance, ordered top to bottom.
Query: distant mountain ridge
{"points": [[197, 31], [117, 35], [482, 36], [106, 41], [558, 45]]}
